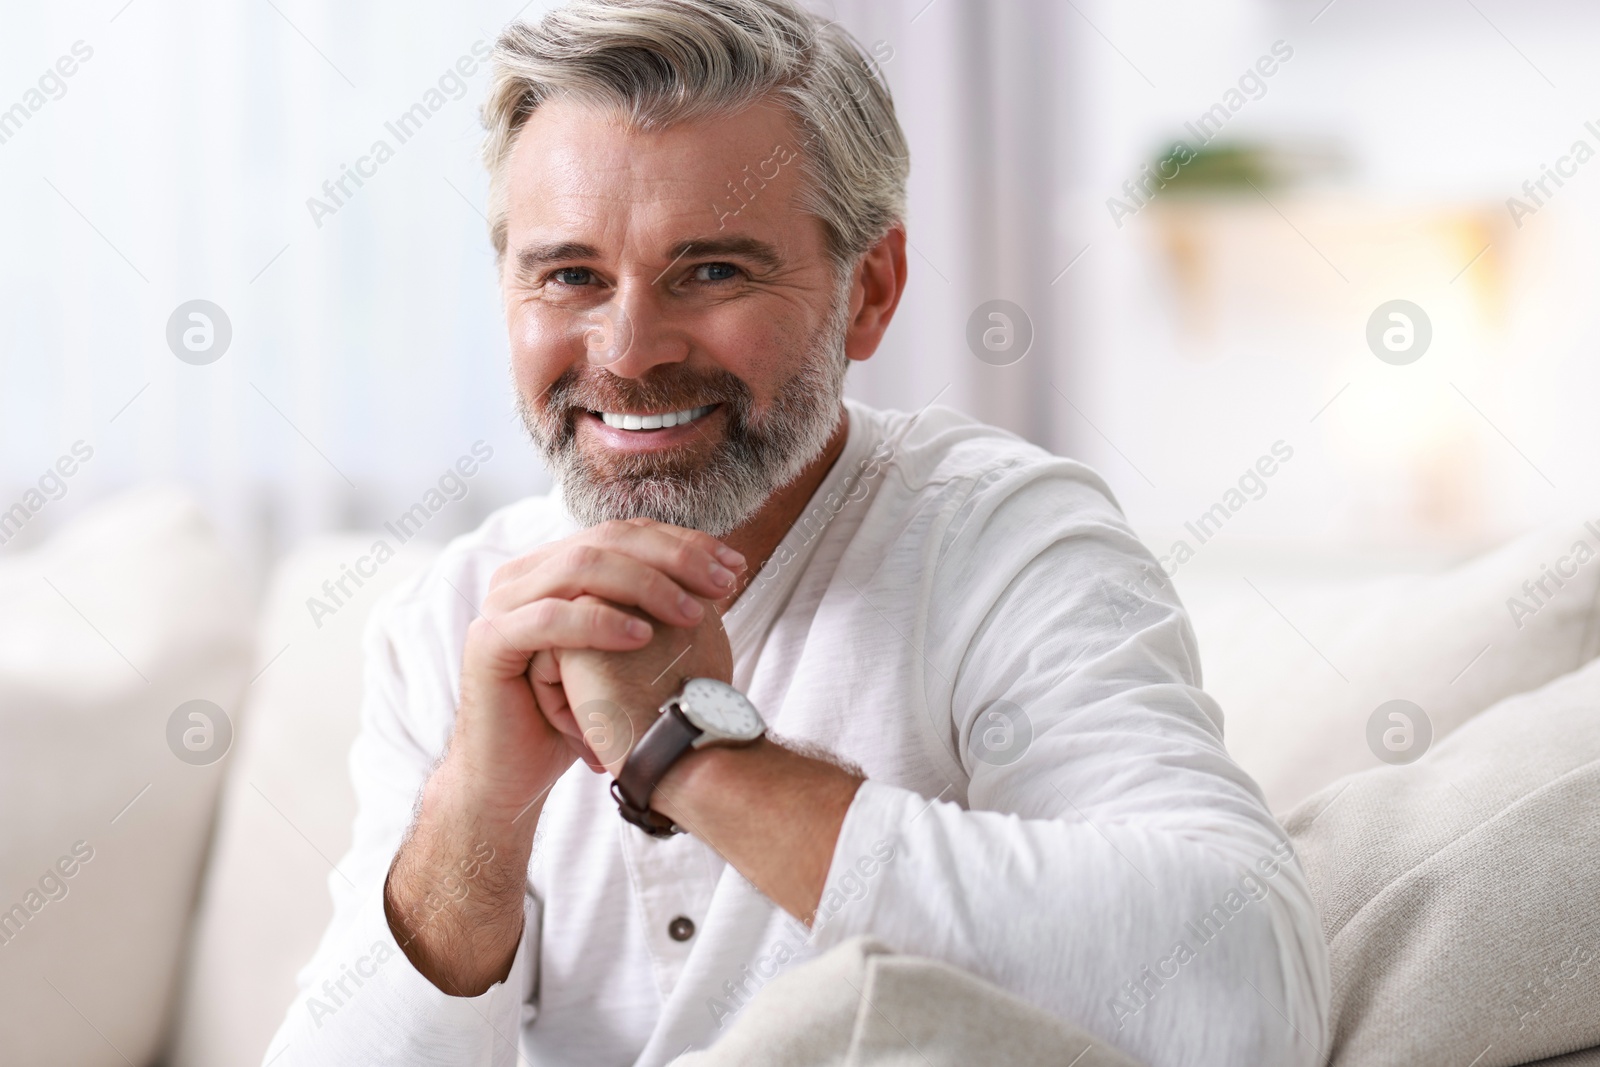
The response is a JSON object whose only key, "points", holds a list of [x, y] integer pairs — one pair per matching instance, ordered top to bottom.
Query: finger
{"points": [[688, 555], [729, 556], [693, 559], [515, 568], [588, 570], [556, 623], [545, 670], [552, 700], [558, 713], [590, 730], [573, 735], [583, 753]]}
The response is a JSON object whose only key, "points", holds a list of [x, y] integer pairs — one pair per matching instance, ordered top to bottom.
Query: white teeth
{"points": [[654, 422]]}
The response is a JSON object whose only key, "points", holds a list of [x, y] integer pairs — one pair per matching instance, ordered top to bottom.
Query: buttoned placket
{"points": [[674, 878]]}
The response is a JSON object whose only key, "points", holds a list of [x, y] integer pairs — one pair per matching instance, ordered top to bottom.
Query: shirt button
{"points": [[681, 928]]}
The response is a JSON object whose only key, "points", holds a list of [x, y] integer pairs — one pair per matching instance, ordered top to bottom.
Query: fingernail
{"points": [[729, 556], [721, 575], [690, 606], [638, 628]]}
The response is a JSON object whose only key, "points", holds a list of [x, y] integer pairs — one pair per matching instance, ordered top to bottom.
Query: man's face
{"points": [[669, 277]]}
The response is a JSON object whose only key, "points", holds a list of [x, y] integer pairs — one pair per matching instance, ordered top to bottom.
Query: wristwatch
{"points": [[704, 712]]}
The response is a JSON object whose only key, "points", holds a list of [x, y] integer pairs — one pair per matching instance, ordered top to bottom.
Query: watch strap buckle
{"points": [[651, 822]]}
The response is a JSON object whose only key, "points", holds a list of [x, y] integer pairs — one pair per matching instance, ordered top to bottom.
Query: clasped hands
{"points": [[580, 642], [577, 645]]}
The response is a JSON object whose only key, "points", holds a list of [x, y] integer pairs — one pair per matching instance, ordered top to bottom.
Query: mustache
{"points": [[672, 387]]}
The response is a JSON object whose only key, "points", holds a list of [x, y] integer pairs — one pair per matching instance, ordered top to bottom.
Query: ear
{"points": [[880, 278]]}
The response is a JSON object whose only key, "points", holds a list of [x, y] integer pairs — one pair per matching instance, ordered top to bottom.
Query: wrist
{"points": [[683, 742], [711, 774], [465, 795], [773, 812]]}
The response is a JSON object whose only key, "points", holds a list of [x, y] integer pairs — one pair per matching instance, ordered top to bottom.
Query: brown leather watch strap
{"points": [[668, 738]]}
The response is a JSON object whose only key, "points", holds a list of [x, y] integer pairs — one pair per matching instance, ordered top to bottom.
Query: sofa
{"points": [[172, 768]]}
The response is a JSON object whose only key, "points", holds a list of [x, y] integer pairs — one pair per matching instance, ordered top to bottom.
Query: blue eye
{"points": [[716, 272], [573, 276]]}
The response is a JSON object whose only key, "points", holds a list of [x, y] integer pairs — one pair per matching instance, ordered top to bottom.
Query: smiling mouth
{"points": [[659, 421]]}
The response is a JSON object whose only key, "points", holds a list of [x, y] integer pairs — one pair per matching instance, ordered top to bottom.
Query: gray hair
{"points": [[665, 61]]}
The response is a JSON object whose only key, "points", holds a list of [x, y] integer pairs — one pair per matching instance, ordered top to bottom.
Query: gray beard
{"points": [[759, 453]]}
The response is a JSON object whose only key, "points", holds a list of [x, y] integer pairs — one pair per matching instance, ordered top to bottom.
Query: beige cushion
{"points": [[130, 611], [1445, 641], [286, 811], [1460, 895], [858, 1005], [1589, 1057]]}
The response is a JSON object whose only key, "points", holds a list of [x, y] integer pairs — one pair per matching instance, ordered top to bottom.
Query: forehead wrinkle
{"points": [[676, 195], [590, 202]]}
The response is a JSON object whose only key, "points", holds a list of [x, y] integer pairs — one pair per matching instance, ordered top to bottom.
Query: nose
{"points": [[634, 331]]}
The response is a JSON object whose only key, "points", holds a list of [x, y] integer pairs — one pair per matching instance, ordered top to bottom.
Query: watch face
{"points": [[721, 711]]}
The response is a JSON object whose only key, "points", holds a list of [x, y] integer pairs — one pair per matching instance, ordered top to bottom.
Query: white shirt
{"points": [[1049, 804]]}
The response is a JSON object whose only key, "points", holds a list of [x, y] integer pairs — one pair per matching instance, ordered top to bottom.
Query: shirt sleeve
{"points": [[1104, 857], [360, 999]]}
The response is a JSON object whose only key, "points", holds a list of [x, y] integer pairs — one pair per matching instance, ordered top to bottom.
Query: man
{"points": [[952, 701]]}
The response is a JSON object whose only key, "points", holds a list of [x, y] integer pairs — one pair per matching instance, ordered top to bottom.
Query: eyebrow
{"points": [[529, 260]]}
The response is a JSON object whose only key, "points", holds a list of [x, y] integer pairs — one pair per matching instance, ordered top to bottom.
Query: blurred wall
{"points": [[194, 153], [1219, 325], [1172, 347]]}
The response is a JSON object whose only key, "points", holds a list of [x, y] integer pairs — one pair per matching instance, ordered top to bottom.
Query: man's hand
{"points": [[596, 590], [605, 701], [772, 812]]}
